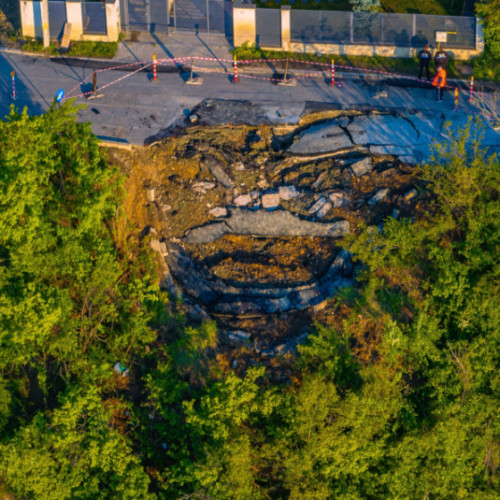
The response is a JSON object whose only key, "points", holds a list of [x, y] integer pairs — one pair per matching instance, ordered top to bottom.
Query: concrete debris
{"points": [[322, 138], [362, 167], [218, 172], [317, 183], [204, 185], [288, 192], [150, 194], [378, 196], [339, 199], [243, 200], [270, 201], [317, 205], [324, 209], [218, 212], [267, 224], [155, 245], [238, 335]]}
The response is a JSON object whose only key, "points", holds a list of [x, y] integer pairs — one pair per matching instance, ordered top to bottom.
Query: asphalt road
{"points": [[136, 108]]}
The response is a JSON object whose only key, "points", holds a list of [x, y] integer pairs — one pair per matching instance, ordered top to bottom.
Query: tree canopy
{"points": [[418, 419]]}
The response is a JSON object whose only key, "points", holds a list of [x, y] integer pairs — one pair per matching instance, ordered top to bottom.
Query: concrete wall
{"points": [[31, 20], [244, 24], [245, 31], [371, 50]]}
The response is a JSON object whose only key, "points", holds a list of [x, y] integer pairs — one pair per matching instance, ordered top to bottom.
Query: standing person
{"points": [[424, 57], [441, 57], [440, 82]]}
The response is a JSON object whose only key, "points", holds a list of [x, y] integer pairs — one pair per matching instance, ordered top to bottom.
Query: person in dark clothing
{"points": [[424, 57], [441, 58]]}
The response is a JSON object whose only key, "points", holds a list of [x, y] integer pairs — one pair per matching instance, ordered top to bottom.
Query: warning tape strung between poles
{"points": [[144, 65], [84, 94]]}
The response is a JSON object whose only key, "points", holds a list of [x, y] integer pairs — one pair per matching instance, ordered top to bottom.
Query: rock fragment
{"points": [[361, 167], [218, 172], [317, 183], [207, 186], [288, 192], [150, 194], [378, 196], [339, 199], [243, 200], [270, 201], [317, 205], [324, 209], [218, 212], [155, 245]]}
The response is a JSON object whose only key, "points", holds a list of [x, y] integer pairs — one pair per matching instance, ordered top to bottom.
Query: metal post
{"points": [[125, 15], [148, 15], [168, 17], [208, 17], [175, 19], [414, 25], [352, 27], [94, 82], [13, 95]]}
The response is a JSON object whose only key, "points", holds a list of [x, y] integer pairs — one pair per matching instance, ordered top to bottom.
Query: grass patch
{"points": [[105, 50], [404, 66], [486, 67]]}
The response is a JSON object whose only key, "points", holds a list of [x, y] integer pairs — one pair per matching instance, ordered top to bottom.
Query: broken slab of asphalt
{"points": [[409, 136], [278, 223], [243, 300]]}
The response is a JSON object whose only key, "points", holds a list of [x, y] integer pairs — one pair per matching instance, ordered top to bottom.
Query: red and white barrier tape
{"points": [[178, 60]]}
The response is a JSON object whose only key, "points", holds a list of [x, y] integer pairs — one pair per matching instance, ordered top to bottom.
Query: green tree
{"points": [[366, 5], [489, 11], [70, 307], [73, 452]]}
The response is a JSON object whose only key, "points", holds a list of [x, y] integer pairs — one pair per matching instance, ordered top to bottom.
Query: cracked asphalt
{"points": [[137, 110]]}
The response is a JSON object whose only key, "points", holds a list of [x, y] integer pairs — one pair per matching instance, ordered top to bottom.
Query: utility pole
{"points": [[45, 23]]}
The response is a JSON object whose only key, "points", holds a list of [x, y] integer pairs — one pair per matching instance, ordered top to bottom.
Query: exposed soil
{"points": [[179, 172]]}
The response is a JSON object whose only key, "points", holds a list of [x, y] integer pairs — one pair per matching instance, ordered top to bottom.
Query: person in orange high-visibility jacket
{"points": [[440, 82]]}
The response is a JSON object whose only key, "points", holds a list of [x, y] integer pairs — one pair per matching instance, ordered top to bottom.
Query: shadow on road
{"points": [[26, 92]]}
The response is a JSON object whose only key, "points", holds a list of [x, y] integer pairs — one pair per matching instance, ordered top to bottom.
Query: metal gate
{"points": [[150, 16], [57, 18], [94, 18], [268, 27]]}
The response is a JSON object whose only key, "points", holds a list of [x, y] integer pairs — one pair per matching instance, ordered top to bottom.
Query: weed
{"points": [[105, 50], [405, 66]]}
